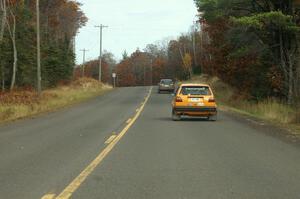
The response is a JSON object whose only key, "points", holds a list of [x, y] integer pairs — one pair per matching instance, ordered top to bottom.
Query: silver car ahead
{"points": [[167, 85]]}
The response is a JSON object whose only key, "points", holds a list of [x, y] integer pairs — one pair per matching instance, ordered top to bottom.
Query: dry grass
{"points": [[25, 103], [269, 109]]}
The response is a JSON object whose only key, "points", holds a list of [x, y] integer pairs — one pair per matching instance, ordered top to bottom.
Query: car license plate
{"points": [[195, 100]]}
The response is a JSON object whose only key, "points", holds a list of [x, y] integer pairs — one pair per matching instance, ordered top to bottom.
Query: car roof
{"points": [[195, 85]]}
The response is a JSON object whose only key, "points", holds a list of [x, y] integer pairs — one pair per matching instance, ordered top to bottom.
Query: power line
{"points": [[100, 56]]}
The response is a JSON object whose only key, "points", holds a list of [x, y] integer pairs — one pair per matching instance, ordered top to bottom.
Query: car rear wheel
{"points": [[175, 117]]}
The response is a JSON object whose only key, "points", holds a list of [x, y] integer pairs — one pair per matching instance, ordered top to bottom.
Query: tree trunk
{"points": [[3, 18], [2, 29], [12, 33], [38, 47], [181, 55], [283, 65], [2, 78], [13, 81], [290, 82]]}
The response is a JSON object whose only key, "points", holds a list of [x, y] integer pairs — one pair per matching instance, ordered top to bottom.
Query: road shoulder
{"points": [[59, 107], [287, 133]]}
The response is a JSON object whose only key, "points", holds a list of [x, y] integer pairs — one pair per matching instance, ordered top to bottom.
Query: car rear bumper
{"points": [[196, 110]]}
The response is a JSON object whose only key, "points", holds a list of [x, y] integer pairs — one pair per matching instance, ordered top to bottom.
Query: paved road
{"points": [[157, 158]]}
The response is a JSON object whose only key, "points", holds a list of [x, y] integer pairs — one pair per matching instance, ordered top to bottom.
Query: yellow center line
{"points": [[128, 121], [110, 139], [76, 183], [48, 196]]}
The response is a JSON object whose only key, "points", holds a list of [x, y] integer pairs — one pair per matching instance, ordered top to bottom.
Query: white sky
{"points": [[132, 24]]}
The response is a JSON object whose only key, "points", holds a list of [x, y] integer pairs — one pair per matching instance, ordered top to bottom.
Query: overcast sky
{"points": [[132, 24]]}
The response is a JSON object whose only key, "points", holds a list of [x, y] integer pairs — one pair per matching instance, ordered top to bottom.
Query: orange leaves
{"points": [[14, 2], [63, 17], [187, 61], [91, 70], [135, 70], [159, 70], [125, 74], [276, 79], [85, 83], [21, 97], [30, 97]]}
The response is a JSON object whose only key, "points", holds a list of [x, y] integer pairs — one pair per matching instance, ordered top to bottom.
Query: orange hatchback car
{"points": [[194, 100]]}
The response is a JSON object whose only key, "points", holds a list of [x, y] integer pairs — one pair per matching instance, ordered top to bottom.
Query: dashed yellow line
{"points": [[128, 121], [110, 139], [76, 183]]}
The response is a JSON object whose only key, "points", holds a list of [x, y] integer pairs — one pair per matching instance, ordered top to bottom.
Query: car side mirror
{"points": [[173, 94]]}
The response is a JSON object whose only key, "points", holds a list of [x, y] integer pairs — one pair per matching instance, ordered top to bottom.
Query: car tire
{"points": [[175, 117], [213, 118]]}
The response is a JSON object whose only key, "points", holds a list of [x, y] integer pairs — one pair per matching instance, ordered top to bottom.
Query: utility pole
{"points": [[38, 43], [100, 56], [83, 60], [151, 67], [144, 75]]}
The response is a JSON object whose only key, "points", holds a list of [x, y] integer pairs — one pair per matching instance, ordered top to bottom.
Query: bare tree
{"points": [[3, 14], [3, 18], [12, 34], [38, 47]]}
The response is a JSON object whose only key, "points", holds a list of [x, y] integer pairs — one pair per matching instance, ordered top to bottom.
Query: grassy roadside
{"points": [[26, 103], [269, 110]]}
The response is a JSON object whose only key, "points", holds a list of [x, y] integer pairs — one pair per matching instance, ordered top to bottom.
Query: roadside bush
{"points": [[23, 103], [270, 108]]}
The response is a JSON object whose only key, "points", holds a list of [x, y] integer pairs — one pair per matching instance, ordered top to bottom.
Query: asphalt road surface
{"points": [[155, 158]]}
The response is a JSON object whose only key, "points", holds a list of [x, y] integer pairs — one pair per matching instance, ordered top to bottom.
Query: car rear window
{"points": [[166, 81], [195, 90]]}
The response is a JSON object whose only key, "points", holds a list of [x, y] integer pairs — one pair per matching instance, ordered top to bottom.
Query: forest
{"points": [[60, 20], [252, 45], [164, 59]]}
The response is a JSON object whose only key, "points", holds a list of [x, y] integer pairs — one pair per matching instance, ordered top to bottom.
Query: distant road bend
{"points": [[124, 145]]}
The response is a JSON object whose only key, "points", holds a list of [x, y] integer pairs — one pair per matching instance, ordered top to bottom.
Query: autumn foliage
{"points": [[59, 21], [253, 46], [172, 60], [142, 69], [91, 70], [23, 96], [28, 96], [26, 102]]}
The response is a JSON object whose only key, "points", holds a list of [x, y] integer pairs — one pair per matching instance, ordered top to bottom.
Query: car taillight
{"points": [[178, 99], [211, 100]]}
